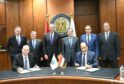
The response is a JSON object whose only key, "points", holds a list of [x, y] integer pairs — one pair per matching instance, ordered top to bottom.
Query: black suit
{"points": [[12, 46], [52, 48], [109, 49], [69, 50], [37, 51], [18, 61]]}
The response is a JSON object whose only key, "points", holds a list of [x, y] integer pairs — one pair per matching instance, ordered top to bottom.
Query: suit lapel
{"points": [[36, 44], [31, 45], [88, 57], [80, 58], [21, 60]]}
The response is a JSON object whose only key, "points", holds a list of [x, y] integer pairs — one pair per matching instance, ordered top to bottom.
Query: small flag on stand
{"points": [[61, 61], [54, 63]]}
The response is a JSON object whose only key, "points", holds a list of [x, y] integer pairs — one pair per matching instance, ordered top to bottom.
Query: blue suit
{"points": [[92, 44], [91, 58]]}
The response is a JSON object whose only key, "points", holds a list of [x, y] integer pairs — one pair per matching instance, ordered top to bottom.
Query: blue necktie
{"points": [[51, 38], [87, 38], [70, 41], [83, 60], [26, 62]]}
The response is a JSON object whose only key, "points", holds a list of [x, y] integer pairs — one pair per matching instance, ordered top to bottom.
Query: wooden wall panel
{"points": [[60, 6], [39, 11], [2, 13], [86, 13], [108, 13], [12, 16], [26, 16], [82, 21], [120, 26]]}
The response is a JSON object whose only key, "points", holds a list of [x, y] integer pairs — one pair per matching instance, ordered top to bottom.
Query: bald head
{"points": [[84, 47], [25, 50]]}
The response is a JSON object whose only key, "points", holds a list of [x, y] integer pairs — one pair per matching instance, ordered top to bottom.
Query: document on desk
{"points": [[35, 69], [92, 69], [30, 70], [89, 70]]}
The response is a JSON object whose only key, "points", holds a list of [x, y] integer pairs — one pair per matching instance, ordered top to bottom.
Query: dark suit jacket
{"points": [[93, 43], [12, 45], [53, 48], [111, 48], [38, 51], [69, 52], [91, 58], [18, 61]]}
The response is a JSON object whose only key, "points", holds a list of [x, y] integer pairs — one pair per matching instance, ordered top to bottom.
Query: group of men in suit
{"points": [[106, 45]]}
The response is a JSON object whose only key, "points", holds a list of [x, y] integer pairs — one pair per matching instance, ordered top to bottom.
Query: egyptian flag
{"points": [[46, 27], [61, 61]]}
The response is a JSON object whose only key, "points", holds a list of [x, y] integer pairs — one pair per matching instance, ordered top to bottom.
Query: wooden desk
{"points": [[71, 76], [57, 80]]}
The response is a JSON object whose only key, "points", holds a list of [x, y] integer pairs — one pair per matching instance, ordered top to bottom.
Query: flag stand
{"points": [[58, 71]]}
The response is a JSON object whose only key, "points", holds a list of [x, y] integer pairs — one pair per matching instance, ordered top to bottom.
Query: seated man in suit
{"points": [[86, 57], [24, 60]]}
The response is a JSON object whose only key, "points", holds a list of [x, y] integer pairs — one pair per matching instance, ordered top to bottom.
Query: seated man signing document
{"points": [[86, 57], [24, 60]]}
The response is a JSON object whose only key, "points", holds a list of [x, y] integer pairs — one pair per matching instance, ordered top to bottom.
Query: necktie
{"points": [[107, 35], [51, 38], [87, 38], [18, 40], [70, 41], [34, 43], [83, 60], [26, 63]]}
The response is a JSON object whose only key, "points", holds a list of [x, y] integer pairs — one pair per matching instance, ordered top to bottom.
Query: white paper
{"points": [[81, 68], [34, 69], [92, 69], [30, 70], [89, 70], [24, 71]]}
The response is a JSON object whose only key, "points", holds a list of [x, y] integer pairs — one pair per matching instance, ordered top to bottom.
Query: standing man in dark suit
{"points": [[90, 39], [15, 43], [51, 44], [70, 46], [109, 47], [36, 48], [86, 57], [24, 60]]}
